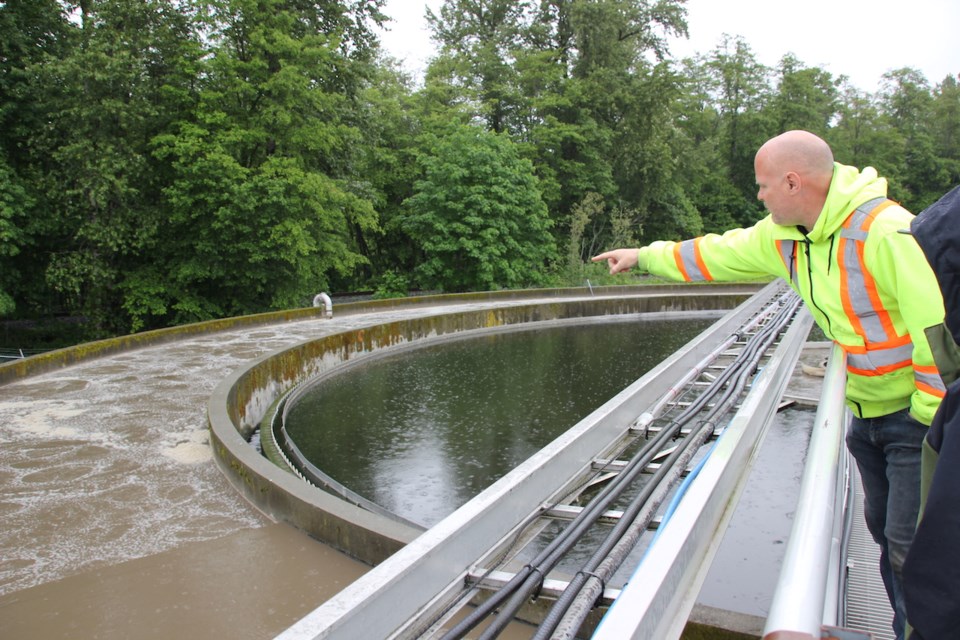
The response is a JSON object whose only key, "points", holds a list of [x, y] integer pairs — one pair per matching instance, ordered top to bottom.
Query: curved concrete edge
{"points": [[59, 358], [241, 401]]}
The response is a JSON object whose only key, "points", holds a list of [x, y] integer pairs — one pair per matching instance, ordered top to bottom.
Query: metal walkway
{"points": [[611, 484], [867, 606]]}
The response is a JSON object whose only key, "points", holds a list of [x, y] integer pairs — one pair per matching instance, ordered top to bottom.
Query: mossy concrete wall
{"points": [[241, 401]]}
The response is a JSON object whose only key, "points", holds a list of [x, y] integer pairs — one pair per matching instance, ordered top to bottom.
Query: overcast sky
{"points": [[862, 39]]}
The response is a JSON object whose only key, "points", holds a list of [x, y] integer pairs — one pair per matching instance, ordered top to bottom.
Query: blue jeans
{"points": [[887, 451]]}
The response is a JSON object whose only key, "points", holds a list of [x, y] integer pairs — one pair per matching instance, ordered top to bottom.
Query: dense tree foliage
{"points": [[167, 161], [477, 215]]}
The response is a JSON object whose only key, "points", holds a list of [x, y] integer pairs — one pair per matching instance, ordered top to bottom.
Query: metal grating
{"points": [[868, 608]]}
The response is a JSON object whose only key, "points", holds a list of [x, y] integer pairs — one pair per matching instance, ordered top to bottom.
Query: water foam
{"points": [[196, 449]]}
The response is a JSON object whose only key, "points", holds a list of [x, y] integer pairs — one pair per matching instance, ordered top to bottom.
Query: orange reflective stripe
{"points": [[880, 207], [788, 253], [690, 262], [680, 264], [870, 284], [845, 290], [899, 341], [883, 349], [863, 366], [927, 368], [881, 370], [929, 381], [937, 393]]}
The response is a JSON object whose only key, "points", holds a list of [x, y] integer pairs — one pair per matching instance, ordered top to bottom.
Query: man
{"points": [[834, 236]]}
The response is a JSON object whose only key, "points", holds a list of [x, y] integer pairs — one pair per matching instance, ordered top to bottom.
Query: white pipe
{"points": [[327, 303]]}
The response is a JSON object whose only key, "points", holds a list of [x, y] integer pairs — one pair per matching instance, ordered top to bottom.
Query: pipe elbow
{"points": [[322, 297]]}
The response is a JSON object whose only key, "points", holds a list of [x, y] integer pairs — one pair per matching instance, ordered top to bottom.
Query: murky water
{"points": [[423, 431], [745, 571]]}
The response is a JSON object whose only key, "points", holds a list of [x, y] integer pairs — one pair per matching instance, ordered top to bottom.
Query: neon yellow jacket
{"points": [[877, 313]]}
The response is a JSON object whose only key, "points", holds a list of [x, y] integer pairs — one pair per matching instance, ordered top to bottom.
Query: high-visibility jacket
{"points": [[866, 283]]}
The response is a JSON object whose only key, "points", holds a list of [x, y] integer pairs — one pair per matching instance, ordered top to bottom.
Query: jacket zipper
{"points": [[830, 255], [813, 301]]}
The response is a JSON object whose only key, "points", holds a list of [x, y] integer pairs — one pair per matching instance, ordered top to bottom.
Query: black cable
{"points": [[753, 351], [526, 581]]}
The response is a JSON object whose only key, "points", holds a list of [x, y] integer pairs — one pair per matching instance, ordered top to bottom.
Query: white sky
{"points": [[862, 39]]}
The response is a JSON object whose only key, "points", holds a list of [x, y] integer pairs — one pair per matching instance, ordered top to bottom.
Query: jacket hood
{"points": [[849, 189], [937, 231]]}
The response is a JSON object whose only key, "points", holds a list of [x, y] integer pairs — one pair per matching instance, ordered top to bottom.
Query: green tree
{"points": [[32, 33], [480, 38], [741, 89], [806, 98], [104, 99], [603, 110], [720, 122], [390, 124], [944, 126], [857, 138], [701, 171], [917, 175], [13, 200], [263, 207], [477, 215], [593, 226]]}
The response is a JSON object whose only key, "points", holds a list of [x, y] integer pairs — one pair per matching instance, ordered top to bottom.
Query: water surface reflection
{"points": [[422, 431]]}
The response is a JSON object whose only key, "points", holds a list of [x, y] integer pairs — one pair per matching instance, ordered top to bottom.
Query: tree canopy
{"points": [[168, 161]]}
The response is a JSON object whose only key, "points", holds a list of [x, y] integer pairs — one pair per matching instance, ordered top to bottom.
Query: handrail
{"points": [[19, 354], [807, 576]]}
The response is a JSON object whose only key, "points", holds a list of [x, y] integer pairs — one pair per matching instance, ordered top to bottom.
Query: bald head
{"points": [[800, 151], [794, 171]]}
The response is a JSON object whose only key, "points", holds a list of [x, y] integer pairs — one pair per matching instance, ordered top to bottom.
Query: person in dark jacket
{"points": [[931, 572]]}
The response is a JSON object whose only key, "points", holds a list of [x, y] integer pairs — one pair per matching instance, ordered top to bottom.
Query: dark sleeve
{"points": [[931, 573]]}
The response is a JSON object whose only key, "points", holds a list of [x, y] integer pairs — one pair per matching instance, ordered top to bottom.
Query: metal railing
{"points": [[18, 354], [810, 592], [658, 598]]}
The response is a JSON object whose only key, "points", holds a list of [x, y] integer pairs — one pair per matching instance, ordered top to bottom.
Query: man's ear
{"points": [[793, 182]]}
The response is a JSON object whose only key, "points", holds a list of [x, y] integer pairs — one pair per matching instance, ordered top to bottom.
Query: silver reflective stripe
{"points": [[787, 248], [689, 256], [856, 276], [880, 358], [929, 379]]}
